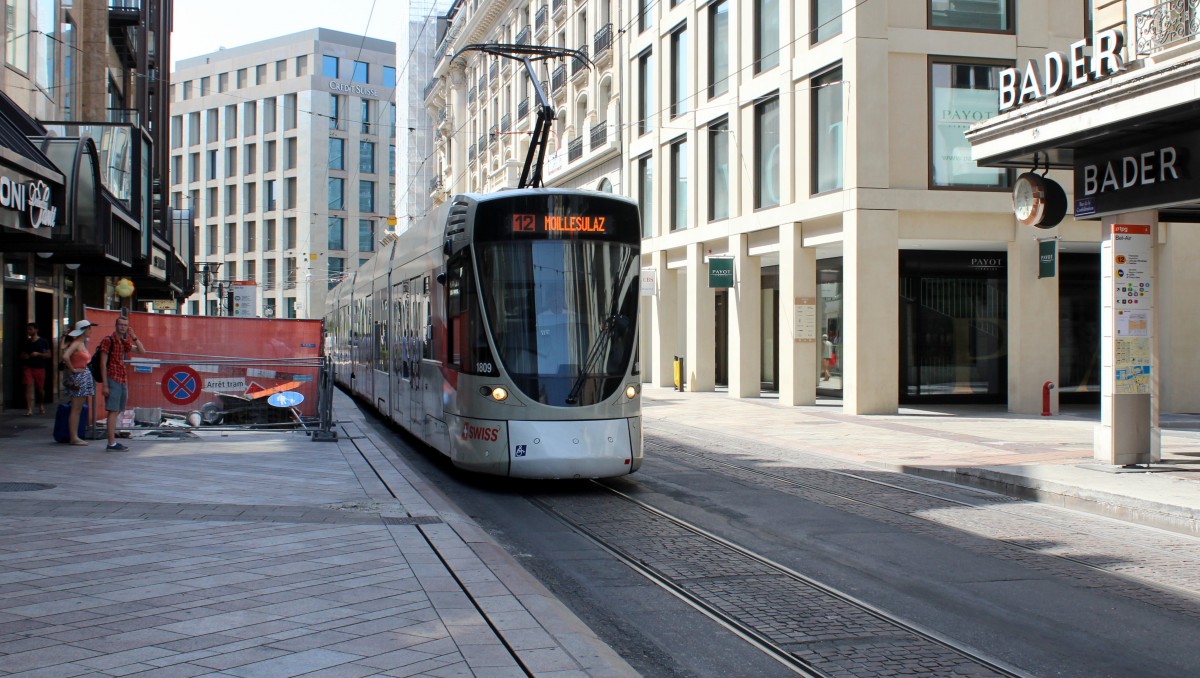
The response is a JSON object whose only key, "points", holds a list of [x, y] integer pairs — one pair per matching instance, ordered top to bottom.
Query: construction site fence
{"points": [[220, 372], [187, 391]]}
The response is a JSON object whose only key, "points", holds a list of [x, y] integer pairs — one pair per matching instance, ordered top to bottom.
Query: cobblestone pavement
{"points": [[1048, 459], [259, 555], [1153, 566], [824, 630]]}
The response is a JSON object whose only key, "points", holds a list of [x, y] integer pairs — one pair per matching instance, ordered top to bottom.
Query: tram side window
{"points": [[456, 315], [381, 333], [427, 334]]}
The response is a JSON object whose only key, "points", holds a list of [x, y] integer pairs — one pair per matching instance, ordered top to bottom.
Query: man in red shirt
{"points": [[115, 384]]}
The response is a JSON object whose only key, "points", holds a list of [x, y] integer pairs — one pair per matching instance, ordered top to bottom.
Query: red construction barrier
{"points": [[195, 360]]}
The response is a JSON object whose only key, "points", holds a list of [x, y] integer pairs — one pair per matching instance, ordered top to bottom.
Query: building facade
{"points": [[484, 107], [1120, 128], [284, 150], [417, 175], [83, 201], [813, 222]]}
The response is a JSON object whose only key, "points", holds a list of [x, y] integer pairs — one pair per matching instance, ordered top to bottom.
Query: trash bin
{"points": [[678, 373]]}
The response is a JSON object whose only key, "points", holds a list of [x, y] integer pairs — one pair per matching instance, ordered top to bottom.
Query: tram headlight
{"points": [[632, 390], [499, 394]]}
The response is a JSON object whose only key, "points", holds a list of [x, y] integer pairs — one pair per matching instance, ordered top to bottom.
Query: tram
{"points": [[503, 332]]}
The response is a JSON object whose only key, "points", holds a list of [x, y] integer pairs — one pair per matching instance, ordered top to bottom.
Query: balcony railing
{"points": [[558, 6], [540, 18], [1166, 24], [523, 36], [603, 40], [579, 65], [494, 72], [559, 79], [482, 83], [429, 87], [471, 95], [522, 109], [505, 122], [599, 134], [494, 136], [482, 142], [575, 149], [471, 153], [435, 184]]}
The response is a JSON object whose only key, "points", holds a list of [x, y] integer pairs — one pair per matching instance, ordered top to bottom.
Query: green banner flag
{"points": [[1047, 250], [720, 272]]}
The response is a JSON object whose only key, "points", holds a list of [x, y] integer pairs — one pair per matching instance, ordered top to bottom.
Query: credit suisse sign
{"points": [[353, 88]]}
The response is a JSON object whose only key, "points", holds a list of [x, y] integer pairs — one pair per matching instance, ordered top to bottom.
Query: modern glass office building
{"points": [[285, 152]]}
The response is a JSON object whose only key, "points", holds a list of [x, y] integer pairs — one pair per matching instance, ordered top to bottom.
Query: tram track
{"points": [[916, 504], [811, 628]]}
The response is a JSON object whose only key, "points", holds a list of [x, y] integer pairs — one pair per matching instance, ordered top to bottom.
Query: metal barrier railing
{"points": [[179, 392]]}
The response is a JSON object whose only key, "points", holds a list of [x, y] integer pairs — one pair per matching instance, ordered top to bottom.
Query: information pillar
{"points": [[1127, 432]]}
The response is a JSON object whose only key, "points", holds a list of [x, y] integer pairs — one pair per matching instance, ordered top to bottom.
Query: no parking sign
{"points": [[181, 385]]}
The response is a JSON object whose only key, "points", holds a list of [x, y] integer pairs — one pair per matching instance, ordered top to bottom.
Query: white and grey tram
{"points": [[503, 333]]}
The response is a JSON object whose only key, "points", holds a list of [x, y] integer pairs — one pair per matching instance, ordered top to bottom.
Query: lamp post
{"points": [[208, 276]]}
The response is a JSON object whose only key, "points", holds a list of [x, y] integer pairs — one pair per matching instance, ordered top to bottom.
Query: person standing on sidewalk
{"points": [[35, 354], [77, 378], [115, 384]]}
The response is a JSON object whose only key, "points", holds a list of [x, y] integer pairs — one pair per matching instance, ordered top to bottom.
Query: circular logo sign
{"points": [[181, 385], [286, 399]]}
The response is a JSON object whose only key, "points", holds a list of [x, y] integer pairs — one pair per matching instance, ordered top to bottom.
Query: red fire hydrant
{"points": [[1046, 388]]}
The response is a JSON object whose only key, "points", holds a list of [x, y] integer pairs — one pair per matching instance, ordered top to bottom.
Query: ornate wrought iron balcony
{"points": [[540, 20], [1166, 24], [523, 36], [603, 40], [579, 65], [599, 134], [575, 149]]}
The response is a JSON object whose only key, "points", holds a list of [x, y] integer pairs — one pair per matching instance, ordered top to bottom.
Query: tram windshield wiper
{"points": [[614, 323]]}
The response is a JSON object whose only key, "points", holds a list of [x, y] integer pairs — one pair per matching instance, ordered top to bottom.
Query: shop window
{"points": [[975, 15], [962, 94], [827, 135], [766, 153]]}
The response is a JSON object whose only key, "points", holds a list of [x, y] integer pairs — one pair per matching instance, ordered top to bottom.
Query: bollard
{"points": [[678, 373], [1046, 388]]}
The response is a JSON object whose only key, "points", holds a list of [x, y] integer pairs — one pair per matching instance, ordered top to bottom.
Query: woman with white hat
{"points": [[79, 383]]}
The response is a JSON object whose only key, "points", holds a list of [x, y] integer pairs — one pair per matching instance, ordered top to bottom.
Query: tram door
{"points": [[400, 395]]}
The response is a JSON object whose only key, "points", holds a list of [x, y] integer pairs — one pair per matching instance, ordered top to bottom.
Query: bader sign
{"points": [[1061, 72]]}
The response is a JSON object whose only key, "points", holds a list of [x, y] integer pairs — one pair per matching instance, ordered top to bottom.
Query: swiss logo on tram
{"points": [[485, 433]]}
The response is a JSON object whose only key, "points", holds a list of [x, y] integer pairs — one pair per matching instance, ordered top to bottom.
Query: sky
{"points": [[203, 26]]}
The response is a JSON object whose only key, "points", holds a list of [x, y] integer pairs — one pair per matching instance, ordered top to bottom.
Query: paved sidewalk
{"points": [[1044, 458], [259, 554]]}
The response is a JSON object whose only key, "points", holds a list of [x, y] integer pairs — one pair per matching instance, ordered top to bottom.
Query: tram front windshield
{"points": [[563, 315]]}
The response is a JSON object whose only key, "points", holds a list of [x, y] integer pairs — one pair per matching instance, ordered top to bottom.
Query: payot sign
{"points": [[1058, 72], [352, 88], [32, 198]]}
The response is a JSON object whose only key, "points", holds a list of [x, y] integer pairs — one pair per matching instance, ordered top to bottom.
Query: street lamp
{"points": [[208, 276]]}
